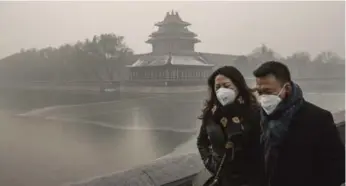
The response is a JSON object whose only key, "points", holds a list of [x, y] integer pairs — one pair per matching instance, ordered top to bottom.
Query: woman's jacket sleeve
{"points": [[203, 145]]}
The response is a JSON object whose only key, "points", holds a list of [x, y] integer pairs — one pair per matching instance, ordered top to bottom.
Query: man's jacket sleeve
{"points": [[331, 152]]}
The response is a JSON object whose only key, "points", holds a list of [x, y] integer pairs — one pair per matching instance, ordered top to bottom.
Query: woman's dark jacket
{"points": [[244, 129]]}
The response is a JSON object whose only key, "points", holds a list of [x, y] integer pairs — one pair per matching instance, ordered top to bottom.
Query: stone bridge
{"points": [[172, 170]]}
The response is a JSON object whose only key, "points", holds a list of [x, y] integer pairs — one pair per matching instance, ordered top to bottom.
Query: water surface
{"points": [[52, 145]]}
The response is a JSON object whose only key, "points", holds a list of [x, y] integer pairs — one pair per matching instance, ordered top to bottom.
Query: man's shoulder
{"points": [[314, 108], [311, 110], [313, 117]]}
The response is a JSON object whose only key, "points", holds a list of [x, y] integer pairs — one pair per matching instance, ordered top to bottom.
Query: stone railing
{"points": [[171, 170]]}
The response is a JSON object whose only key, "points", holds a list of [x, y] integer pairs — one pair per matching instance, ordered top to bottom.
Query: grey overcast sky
{"points": [[224, 27]]}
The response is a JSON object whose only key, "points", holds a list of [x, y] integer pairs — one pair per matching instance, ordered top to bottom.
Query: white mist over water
{"points": [[136, 117]]}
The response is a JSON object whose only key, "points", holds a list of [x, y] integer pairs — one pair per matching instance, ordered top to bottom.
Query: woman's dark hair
{"points": [[238, 80]]}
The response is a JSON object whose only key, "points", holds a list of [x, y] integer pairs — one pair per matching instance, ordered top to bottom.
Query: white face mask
{"points": [[225, 96], [270, 102]]}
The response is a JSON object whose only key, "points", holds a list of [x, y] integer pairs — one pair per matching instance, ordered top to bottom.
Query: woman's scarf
{"points": [[235, 109]]}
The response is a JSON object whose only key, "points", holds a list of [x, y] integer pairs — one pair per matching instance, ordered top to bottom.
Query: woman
{"points": [[230, 124]]}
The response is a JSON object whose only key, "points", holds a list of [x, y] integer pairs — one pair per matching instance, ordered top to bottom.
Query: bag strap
{"points": [[228, 145], [220, 166]]}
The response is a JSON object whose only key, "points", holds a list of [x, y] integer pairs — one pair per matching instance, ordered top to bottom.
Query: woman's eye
{"points": [[230, 87]]}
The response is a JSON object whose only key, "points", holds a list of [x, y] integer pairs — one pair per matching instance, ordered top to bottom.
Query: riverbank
{"points": [[308, 85], [24, 99]]}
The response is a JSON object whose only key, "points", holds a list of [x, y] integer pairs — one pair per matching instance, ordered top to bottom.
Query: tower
{"points": [[172, 36], [173, 60]]}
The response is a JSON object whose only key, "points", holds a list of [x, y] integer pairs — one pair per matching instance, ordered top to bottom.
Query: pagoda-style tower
{"points": [[172, 36], [173, 60]]}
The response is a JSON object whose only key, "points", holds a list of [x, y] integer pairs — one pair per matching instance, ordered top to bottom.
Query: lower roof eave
{"points": [[153, 66]]}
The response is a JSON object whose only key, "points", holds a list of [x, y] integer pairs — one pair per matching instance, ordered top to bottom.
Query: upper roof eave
{"points": [[161, 23]]}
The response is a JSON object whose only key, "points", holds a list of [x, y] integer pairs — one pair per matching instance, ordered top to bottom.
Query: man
{"points": [[301, 145]]}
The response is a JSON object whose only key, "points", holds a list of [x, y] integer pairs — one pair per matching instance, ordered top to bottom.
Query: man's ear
{"points": [[288, 89]]}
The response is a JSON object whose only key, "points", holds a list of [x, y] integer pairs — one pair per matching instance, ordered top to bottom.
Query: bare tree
{"points": [[107, 53], [264, 53], [329, 57]]}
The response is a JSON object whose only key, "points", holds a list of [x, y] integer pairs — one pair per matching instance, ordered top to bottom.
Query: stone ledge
{"points": [[172, 170], [169, 171]]}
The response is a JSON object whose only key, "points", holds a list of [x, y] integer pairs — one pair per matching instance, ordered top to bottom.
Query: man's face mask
{"points": [[225, 96], [269, 102]]}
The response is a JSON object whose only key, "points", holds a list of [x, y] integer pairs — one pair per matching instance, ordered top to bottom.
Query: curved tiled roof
{"points": [[172, 17], [180, 32], [195, 40], [172, 60], [151, 61]]}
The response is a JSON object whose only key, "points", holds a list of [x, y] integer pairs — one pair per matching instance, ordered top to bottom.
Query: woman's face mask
{"points": [[225, 90], [225, 96], [269, 102]]}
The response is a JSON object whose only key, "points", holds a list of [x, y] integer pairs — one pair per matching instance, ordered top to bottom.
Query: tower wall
{"points": [[172, 45]]}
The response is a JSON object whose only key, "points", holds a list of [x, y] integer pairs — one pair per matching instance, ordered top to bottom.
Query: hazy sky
{"points": [[223, 27]]}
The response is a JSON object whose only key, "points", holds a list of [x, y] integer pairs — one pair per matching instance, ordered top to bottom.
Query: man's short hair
{"points": [[278, 70]]}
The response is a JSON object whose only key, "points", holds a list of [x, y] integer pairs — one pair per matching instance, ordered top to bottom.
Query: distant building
{"points": [[173, 60]]}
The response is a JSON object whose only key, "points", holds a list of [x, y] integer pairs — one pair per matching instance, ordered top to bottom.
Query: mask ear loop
{"points": [[282, 89]]}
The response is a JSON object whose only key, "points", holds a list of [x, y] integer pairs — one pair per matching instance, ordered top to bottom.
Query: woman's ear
{"points": [[253, 90]]}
